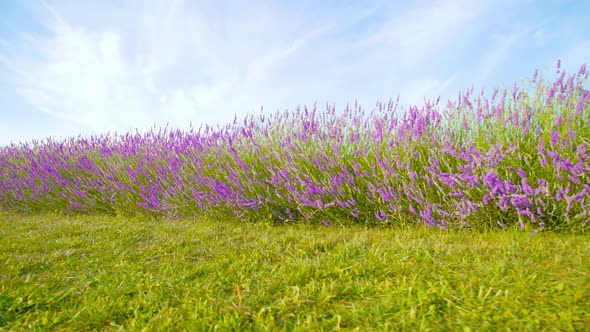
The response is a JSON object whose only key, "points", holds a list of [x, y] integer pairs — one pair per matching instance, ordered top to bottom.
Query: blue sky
{"points": [[84, 67]]}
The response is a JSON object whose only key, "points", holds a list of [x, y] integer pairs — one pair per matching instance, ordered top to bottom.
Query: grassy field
{"points": [[96, 273]]}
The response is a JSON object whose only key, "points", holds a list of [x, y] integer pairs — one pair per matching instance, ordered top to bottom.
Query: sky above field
{"points": [[89, 67]]}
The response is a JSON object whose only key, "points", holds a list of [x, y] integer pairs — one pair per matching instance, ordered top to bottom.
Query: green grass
{"points": [[95, 273]]}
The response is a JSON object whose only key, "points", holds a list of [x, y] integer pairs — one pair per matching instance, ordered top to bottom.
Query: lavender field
{"points": [[508, 157], [171, 230]]}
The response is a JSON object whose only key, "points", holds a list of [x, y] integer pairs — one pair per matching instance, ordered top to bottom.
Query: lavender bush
{"points": [[520, 156]]}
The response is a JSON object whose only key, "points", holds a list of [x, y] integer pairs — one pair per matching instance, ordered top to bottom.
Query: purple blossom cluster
{"points": [[520, 156]]}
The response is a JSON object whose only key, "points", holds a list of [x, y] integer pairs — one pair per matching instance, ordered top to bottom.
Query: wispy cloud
{"points": [[418, 33], [106, 66], [181, 66]]}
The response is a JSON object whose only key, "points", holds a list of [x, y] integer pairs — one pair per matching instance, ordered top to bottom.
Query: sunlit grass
{"points": [[103, 273]]}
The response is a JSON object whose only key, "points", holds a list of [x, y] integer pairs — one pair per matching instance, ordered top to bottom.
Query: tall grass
{"points": [[518, 157]]}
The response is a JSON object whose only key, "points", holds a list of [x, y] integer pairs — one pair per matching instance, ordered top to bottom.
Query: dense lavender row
{"points": [[517, 157]]}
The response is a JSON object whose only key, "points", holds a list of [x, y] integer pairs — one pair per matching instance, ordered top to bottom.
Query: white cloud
{"points": [[418, 33], [391, 57], [109, 66], [183, 66], [81, 76]]}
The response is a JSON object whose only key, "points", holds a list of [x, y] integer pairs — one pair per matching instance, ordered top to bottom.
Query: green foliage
{"points": [[103, 273]]}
